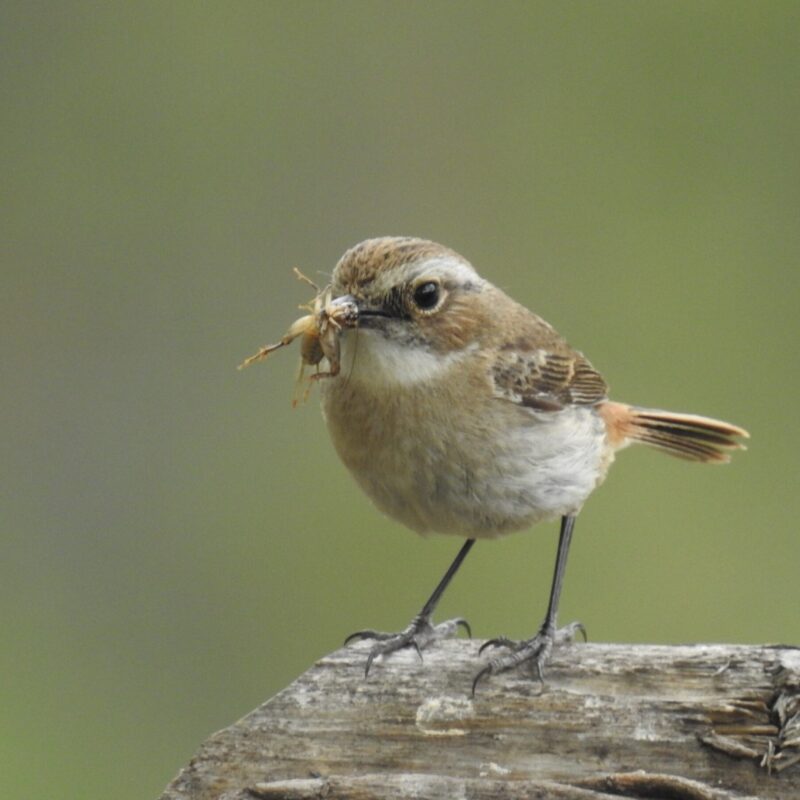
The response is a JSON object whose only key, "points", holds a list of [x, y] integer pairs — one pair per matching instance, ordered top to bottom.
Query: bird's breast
{"points": [[442, 454]]}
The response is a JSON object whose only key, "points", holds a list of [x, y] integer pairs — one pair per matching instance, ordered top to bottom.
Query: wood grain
{"points": [[706, 722]]}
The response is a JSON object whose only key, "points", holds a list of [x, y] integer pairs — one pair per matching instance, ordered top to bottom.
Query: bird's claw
{"points": [[419, 634], [535, 651]]}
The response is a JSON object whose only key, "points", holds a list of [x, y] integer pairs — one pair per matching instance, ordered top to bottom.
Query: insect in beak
{"points": [[319, 333]]}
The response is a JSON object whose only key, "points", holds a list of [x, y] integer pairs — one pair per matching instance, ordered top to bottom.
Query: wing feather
{"points": [[545, 380]]}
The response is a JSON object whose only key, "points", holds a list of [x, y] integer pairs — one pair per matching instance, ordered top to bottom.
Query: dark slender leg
{"points": [[564, 541], [437, 593], [421, 632], [537, 649]]}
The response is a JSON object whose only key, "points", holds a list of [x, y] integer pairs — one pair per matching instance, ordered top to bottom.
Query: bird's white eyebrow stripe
{"points": [[447, 267]]}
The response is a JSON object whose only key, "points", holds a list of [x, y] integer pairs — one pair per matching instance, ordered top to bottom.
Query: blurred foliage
{"points": [[177, 544]]}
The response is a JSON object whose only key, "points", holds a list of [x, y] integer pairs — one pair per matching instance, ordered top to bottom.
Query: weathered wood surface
{"points": [[706, 722]]}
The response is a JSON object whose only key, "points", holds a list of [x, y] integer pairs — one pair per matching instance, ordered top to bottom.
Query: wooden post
{"points": [[700, 722]]}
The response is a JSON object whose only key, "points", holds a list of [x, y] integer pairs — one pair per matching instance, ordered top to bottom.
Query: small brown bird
{"points": [[459, 411]]}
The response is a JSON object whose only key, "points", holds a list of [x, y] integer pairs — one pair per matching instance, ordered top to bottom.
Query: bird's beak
{"points": [[343, 311], [350, 312]]}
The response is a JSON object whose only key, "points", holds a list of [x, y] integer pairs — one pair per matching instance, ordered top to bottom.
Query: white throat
{"points": [[369, 357]]}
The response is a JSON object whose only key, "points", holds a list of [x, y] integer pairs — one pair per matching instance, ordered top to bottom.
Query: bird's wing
{"points": [[545, 378]]}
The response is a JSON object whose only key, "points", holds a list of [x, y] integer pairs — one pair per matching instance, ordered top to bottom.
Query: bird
{"points": [[459, 411]]}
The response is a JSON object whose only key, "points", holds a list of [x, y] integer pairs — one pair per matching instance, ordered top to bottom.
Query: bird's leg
{"points": [[421, 631], [536, 651]]}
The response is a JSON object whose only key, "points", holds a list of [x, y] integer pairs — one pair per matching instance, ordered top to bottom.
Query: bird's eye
{"points": [[427, 295]]}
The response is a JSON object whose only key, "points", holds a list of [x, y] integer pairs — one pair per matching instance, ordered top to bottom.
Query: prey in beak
{"points": [[319, 333]]}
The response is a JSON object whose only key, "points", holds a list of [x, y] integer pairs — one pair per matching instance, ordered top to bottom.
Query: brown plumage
{"points": [[529, 363], [460, 411]]}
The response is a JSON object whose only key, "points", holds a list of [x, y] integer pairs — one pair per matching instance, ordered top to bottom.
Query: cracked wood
{"points": [[701, 722]]}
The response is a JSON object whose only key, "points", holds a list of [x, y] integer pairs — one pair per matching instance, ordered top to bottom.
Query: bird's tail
{"points": [[687, 436]]}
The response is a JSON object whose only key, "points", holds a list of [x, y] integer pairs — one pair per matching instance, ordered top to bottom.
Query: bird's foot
{"points": [[419, 634], [535, 651]]}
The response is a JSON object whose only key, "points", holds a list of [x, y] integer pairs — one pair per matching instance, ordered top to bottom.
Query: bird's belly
{"points": [[436, 475]]}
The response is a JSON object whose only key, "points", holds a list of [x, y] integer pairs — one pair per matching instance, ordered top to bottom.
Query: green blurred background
{"points": [[177, 543]]}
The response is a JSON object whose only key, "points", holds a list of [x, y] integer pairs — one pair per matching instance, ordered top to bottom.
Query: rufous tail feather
{"points": [[688, 436]]}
